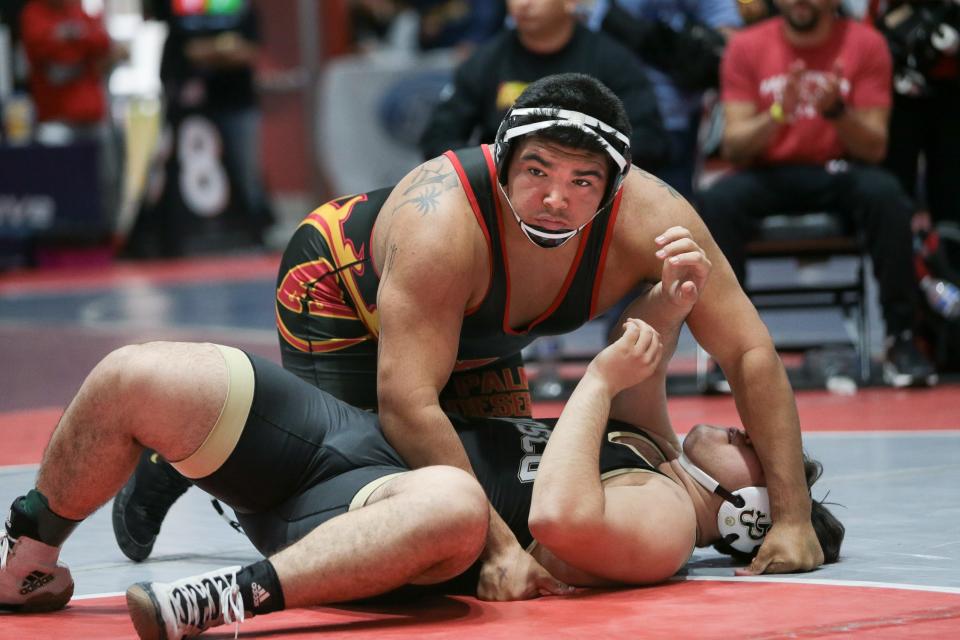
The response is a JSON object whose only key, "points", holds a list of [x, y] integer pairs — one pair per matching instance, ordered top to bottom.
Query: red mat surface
{"points": [[156, 272], [879, 409], [25, 433], [696, 609]]}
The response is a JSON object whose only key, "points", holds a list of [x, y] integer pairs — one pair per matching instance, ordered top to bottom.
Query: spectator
{"points": [[464, 24], [547, 39], [924, 42], [680, 43], [70, 54], [208, 63], [807, 98]]}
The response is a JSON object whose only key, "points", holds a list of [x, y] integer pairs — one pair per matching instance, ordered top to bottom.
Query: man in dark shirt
{"points": [[546, 40], [208, 65]]}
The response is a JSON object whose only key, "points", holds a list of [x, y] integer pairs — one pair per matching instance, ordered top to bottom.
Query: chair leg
{"points": [[863, 317]]}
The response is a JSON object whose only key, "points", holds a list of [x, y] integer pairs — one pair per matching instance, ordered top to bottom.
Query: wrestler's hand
{"points": [[685, 267], [630, 359], [787, 547], [514, 574]]}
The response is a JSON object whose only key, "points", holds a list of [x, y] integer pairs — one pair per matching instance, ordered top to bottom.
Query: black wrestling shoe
{"points": [[142, 504]]}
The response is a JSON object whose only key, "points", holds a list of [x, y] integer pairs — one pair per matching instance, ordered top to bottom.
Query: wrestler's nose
{"points": [[555, 199]]}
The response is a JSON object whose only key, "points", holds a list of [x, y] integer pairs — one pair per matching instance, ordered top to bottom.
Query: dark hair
{"points": [[576, 92], [829, 530]]}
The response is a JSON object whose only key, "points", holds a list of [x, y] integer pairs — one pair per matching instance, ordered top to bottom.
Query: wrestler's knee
{"points": [[146, 376], [461, 517]]}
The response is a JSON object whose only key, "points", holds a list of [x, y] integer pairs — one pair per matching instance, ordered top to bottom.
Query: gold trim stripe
{"points": [[223, 438], [361, 497]]}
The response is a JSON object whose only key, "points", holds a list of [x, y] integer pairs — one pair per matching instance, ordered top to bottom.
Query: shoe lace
{"points": [[5, 543], [200, 605]]}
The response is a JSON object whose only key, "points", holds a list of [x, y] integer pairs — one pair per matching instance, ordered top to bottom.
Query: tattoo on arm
{"points": [[649, 176], [426, 186]]}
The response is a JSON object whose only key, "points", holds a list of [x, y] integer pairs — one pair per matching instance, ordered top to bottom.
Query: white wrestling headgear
{"points": [[520, 122], [744, 515]]}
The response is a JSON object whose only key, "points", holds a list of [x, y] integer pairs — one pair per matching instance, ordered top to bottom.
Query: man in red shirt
{"points": [[68, 52], [70, 55], [807, 101]]}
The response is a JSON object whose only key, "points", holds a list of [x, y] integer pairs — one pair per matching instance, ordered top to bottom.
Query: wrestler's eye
{"points": [[534, 171], [580, 182]]}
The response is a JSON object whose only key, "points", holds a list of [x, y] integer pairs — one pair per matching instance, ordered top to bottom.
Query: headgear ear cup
{"points": [[744, 515], [744, 528]]}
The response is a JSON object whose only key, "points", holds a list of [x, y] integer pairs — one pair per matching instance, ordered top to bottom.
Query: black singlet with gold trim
{"points": [[326, 300], [318, 453], [506, 460]]}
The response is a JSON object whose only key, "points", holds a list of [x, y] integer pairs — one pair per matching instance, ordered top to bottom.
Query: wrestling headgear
{"points": [[524, 121], [744, 516]]}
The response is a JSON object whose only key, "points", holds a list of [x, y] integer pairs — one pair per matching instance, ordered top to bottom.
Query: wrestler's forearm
{"points": [[649, 399], [768, 409], [567, 492]]}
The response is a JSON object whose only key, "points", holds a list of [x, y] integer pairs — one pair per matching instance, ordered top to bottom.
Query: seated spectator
{"points": [[546, 40], [680, 44], [807, 100]]}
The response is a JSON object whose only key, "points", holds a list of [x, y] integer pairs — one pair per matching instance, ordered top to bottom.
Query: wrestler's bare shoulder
{"points": [[429, 201], [651, 203], [428, 216]]}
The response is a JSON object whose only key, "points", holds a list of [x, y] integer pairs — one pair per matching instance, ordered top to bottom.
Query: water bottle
{"points": [[943, 296], [548, 384]]}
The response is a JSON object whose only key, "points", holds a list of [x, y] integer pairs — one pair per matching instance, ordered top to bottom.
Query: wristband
{"points": [[776, 112], [834, 112]]}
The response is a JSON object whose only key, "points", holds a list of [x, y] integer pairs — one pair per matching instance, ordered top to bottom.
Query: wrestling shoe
{"points": [[905, 365], [143, 503], [31, 578], [187, 607]]}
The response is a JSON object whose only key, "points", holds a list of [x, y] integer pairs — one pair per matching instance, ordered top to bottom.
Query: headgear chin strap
{"points": [[524, 121], [541, 237], [744, 516]]}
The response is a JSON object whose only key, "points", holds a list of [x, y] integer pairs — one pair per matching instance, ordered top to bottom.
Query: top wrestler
{"points": [[475, 254], [595, 499]]}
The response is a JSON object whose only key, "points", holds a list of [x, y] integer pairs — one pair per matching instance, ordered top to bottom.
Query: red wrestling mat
{"points": [[158, 272], [875, 409], [25, 433], [696, 609]]}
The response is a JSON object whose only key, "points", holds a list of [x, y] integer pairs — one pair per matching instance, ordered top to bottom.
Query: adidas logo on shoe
{"points": [[31, 578], [33, 581], [259, 594]]}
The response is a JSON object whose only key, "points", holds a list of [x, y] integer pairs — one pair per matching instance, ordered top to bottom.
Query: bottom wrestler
{"points": [[318, 489]]}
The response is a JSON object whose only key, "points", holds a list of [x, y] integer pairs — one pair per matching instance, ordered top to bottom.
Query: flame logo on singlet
{"points": [[319, 285]]}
